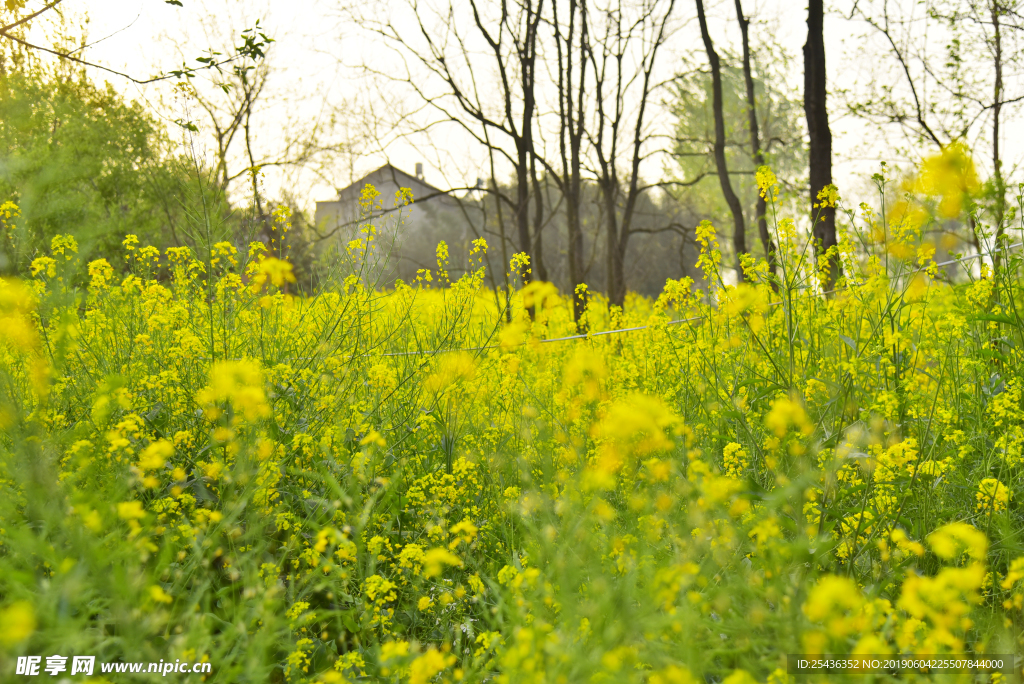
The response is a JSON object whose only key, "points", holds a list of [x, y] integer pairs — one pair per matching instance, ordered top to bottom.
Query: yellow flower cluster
{"points": [[411, 485]]}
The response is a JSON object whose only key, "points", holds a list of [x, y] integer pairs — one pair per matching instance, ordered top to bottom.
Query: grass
{"points": [[369, 485]]}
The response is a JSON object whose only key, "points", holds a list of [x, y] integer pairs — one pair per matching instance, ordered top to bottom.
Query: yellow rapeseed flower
{"points": [[950, 175], [766, 182], [277, 271], [100, 274], [17, 304], [453, 368], [237, 382], [786, 414], [155, 455], [992, 495], [130, 510], [949, 541], [435, 560], [157, 593], [836, 602], [17, 622], [393, 650], [428, 665]]}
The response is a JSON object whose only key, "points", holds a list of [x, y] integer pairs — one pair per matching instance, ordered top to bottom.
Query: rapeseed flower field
{"points": [[418, 485]]}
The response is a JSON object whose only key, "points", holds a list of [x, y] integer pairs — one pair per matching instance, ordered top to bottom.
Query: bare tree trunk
{"points": [[651, 31], [512, 43], [527, 57], [815, 93], [997, 107], [570, 139], [761, 208], [523, 209], [501, 227], [739, 234], [504, 245], [537, 252], [614, 258], [577, 272]]}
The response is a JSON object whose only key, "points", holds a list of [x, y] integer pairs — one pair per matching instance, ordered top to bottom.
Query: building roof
{"points": [[398, 176]]}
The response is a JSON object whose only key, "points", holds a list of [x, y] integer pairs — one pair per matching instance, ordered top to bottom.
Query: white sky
{"points": [[316, 47]]}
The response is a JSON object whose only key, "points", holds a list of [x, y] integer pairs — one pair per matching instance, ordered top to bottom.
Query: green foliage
{"points": [[781, 128], [79, 159], [397, 486]]}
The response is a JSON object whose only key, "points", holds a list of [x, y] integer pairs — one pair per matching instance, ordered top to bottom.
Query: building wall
{"points": [[409, 233], [414, 233]]}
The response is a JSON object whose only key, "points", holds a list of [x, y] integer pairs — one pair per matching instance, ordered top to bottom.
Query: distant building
{"points": [[435, 215], [661, 247]]}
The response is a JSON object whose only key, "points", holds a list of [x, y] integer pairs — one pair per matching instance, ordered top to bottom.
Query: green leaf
{"points": [[996, 318], [992, 354], [349, 620]]}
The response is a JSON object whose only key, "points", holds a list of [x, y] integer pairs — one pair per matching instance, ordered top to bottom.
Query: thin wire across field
{"points": [[692, 319]]}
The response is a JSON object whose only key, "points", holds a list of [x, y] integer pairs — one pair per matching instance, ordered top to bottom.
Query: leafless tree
{"points": [[14, 20], [570, 29], [623, 55], [445, 66], [952, 71], [558, 92], [232, 106], [761, 208], [823, 216], [739, 236]]}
